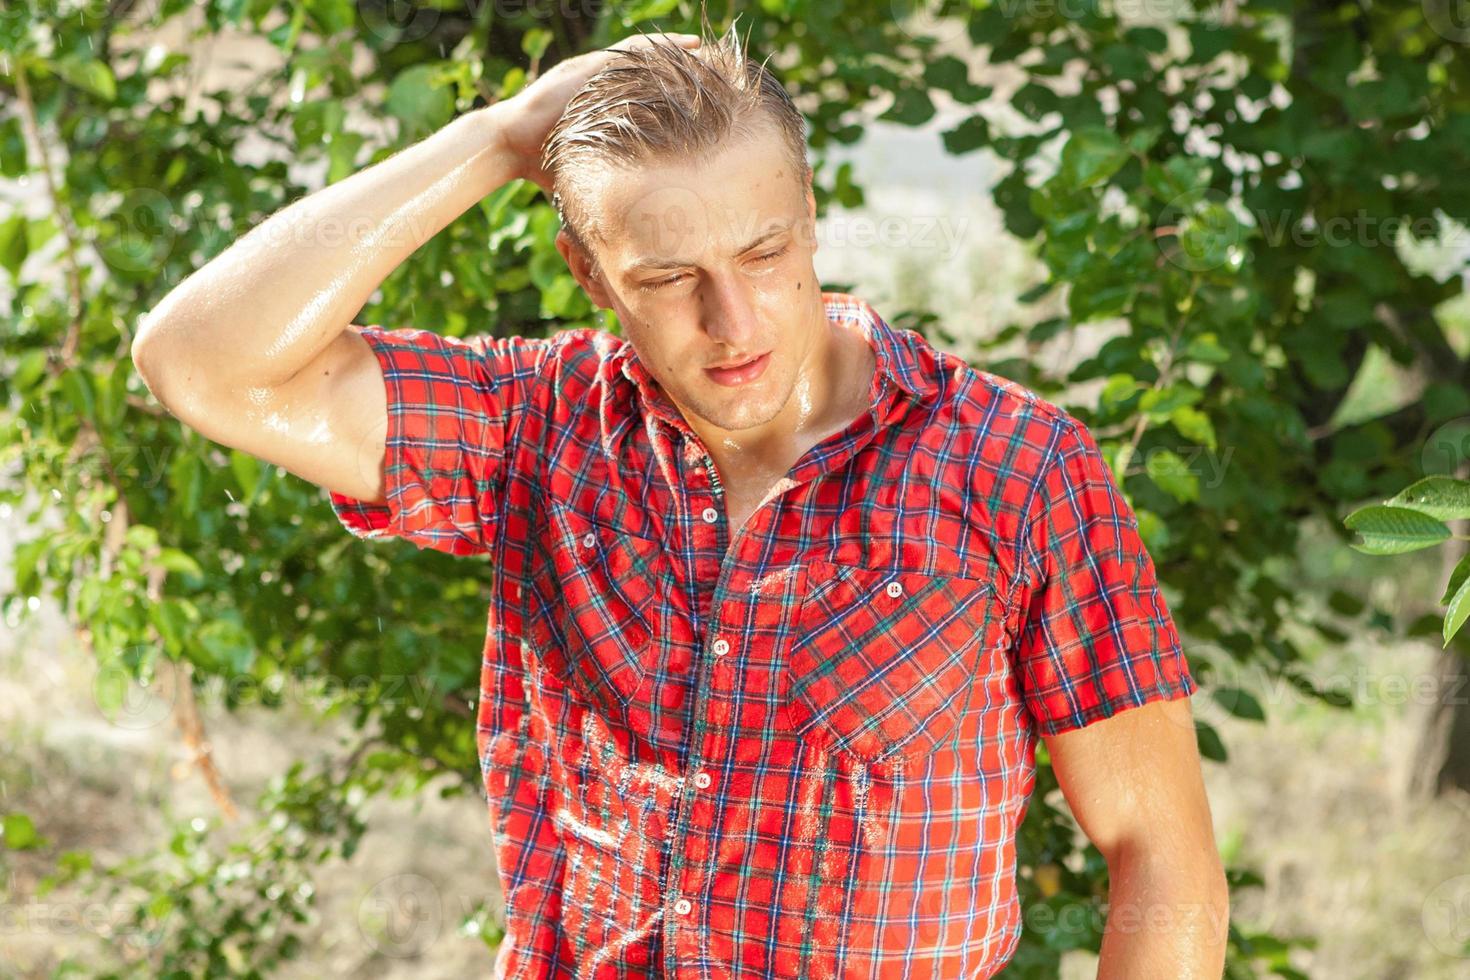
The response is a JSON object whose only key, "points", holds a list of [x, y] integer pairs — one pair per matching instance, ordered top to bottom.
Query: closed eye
{"points": [[671, 280]]}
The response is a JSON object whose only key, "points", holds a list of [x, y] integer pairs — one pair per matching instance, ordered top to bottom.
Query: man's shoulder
{"points": [[582, 351], [1006, 416]]}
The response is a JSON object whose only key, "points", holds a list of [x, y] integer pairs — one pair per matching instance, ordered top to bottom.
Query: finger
{"points": [[682, 40]]}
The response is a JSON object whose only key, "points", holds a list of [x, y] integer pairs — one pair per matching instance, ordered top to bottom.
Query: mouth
{"points": [[741, 371]]}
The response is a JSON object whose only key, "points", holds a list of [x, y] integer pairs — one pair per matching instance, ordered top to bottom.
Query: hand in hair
{"points": [[529, 115]]}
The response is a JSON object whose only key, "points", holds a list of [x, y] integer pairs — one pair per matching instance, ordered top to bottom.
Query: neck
{"points": [[831, 390]]}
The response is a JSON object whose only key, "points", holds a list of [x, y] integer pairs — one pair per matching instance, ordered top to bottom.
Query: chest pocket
{"points": [[591, 606], [883, 661]]}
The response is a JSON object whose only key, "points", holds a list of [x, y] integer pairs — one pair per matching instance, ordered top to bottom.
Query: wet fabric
{"points": [[803, 751]]}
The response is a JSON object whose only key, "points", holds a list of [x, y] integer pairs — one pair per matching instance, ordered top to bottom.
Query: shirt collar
{"points": [[894, 354]]}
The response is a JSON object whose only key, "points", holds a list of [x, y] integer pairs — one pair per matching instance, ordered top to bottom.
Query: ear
{"points": [[811, 212], [583, 269]]}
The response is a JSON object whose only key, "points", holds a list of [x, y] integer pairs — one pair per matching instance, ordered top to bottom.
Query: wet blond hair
{"points": [[663, 102]]}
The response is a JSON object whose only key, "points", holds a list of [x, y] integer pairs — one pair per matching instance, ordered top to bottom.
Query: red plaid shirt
{"points": [[801, 752]]}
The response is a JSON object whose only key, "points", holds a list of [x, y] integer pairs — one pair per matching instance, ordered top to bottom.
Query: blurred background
{"points": [[1230, 237]]}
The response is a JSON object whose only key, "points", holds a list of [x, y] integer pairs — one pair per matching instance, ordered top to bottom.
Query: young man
{"points": [[784, 596]]}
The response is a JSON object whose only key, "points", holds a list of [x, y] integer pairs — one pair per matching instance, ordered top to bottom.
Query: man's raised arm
{"points": [[253, 350]]}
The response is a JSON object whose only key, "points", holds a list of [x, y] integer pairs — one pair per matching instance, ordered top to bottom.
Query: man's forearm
{"points": [[266, 306], [1168, 917]]}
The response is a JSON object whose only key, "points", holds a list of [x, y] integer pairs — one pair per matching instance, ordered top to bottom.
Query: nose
{"points": [[729, 314]]}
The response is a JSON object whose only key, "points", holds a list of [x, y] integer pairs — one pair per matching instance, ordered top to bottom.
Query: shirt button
{"points": [[711, 515], [589, 540], [895, 589], [721, 647], [702, 780], [683, 906]]}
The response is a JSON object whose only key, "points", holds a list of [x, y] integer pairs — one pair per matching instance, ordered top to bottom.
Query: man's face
{"points": [[711, 263]]}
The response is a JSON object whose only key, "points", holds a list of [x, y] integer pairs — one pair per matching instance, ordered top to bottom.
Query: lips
{"points": [[735, 364], [741, 372]]}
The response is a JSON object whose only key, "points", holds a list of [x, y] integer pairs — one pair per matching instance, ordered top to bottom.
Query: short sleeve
{"points": [[453, 407], [1096, 636]]}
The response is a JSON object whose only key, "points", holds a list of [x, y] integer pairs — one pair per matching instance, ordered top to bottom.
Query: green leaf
{"points": [[646, 10], [333, 15], [535, 42], [88, 74], [952, 75], [418, 100], [911, 107], [969, 135], [12, 149], [1091, 156], [1176, 177], [13, 244], [1206, 347], [29, 370], [76, 384], [1159, 403], [1194, 425], [247, 473], [1172, 475], [186, 479], [1440, 497], [1394, 530], [177, 561], [1457, 578], [1345, 603], [1458, 611], [172, 618], [226, 646], [1239, 702], [1210, 745], [19, 832]]}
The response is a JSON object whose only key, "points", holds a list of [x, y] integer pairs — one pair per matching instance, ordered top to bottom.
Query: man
{"points": [[784, 596]]}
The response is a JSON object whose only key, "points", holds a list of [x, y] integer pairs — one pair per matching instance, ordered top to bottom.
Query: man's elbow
{"points": [[144, 352], [160, 364], [1187, 879]]}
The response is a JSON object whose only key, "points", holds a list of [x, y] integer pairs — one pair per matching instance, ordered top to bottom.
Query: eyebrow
{"points": [[652, 264]]}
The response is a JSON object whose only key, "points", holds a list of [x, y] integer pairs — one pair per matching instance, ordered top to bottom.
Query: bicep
{"points": [[327, 424], [1128, 776]]}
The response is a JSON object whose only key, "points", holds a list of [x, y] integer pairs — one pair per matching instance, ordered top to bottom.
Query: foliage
{"points": [[1226, 197]]}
